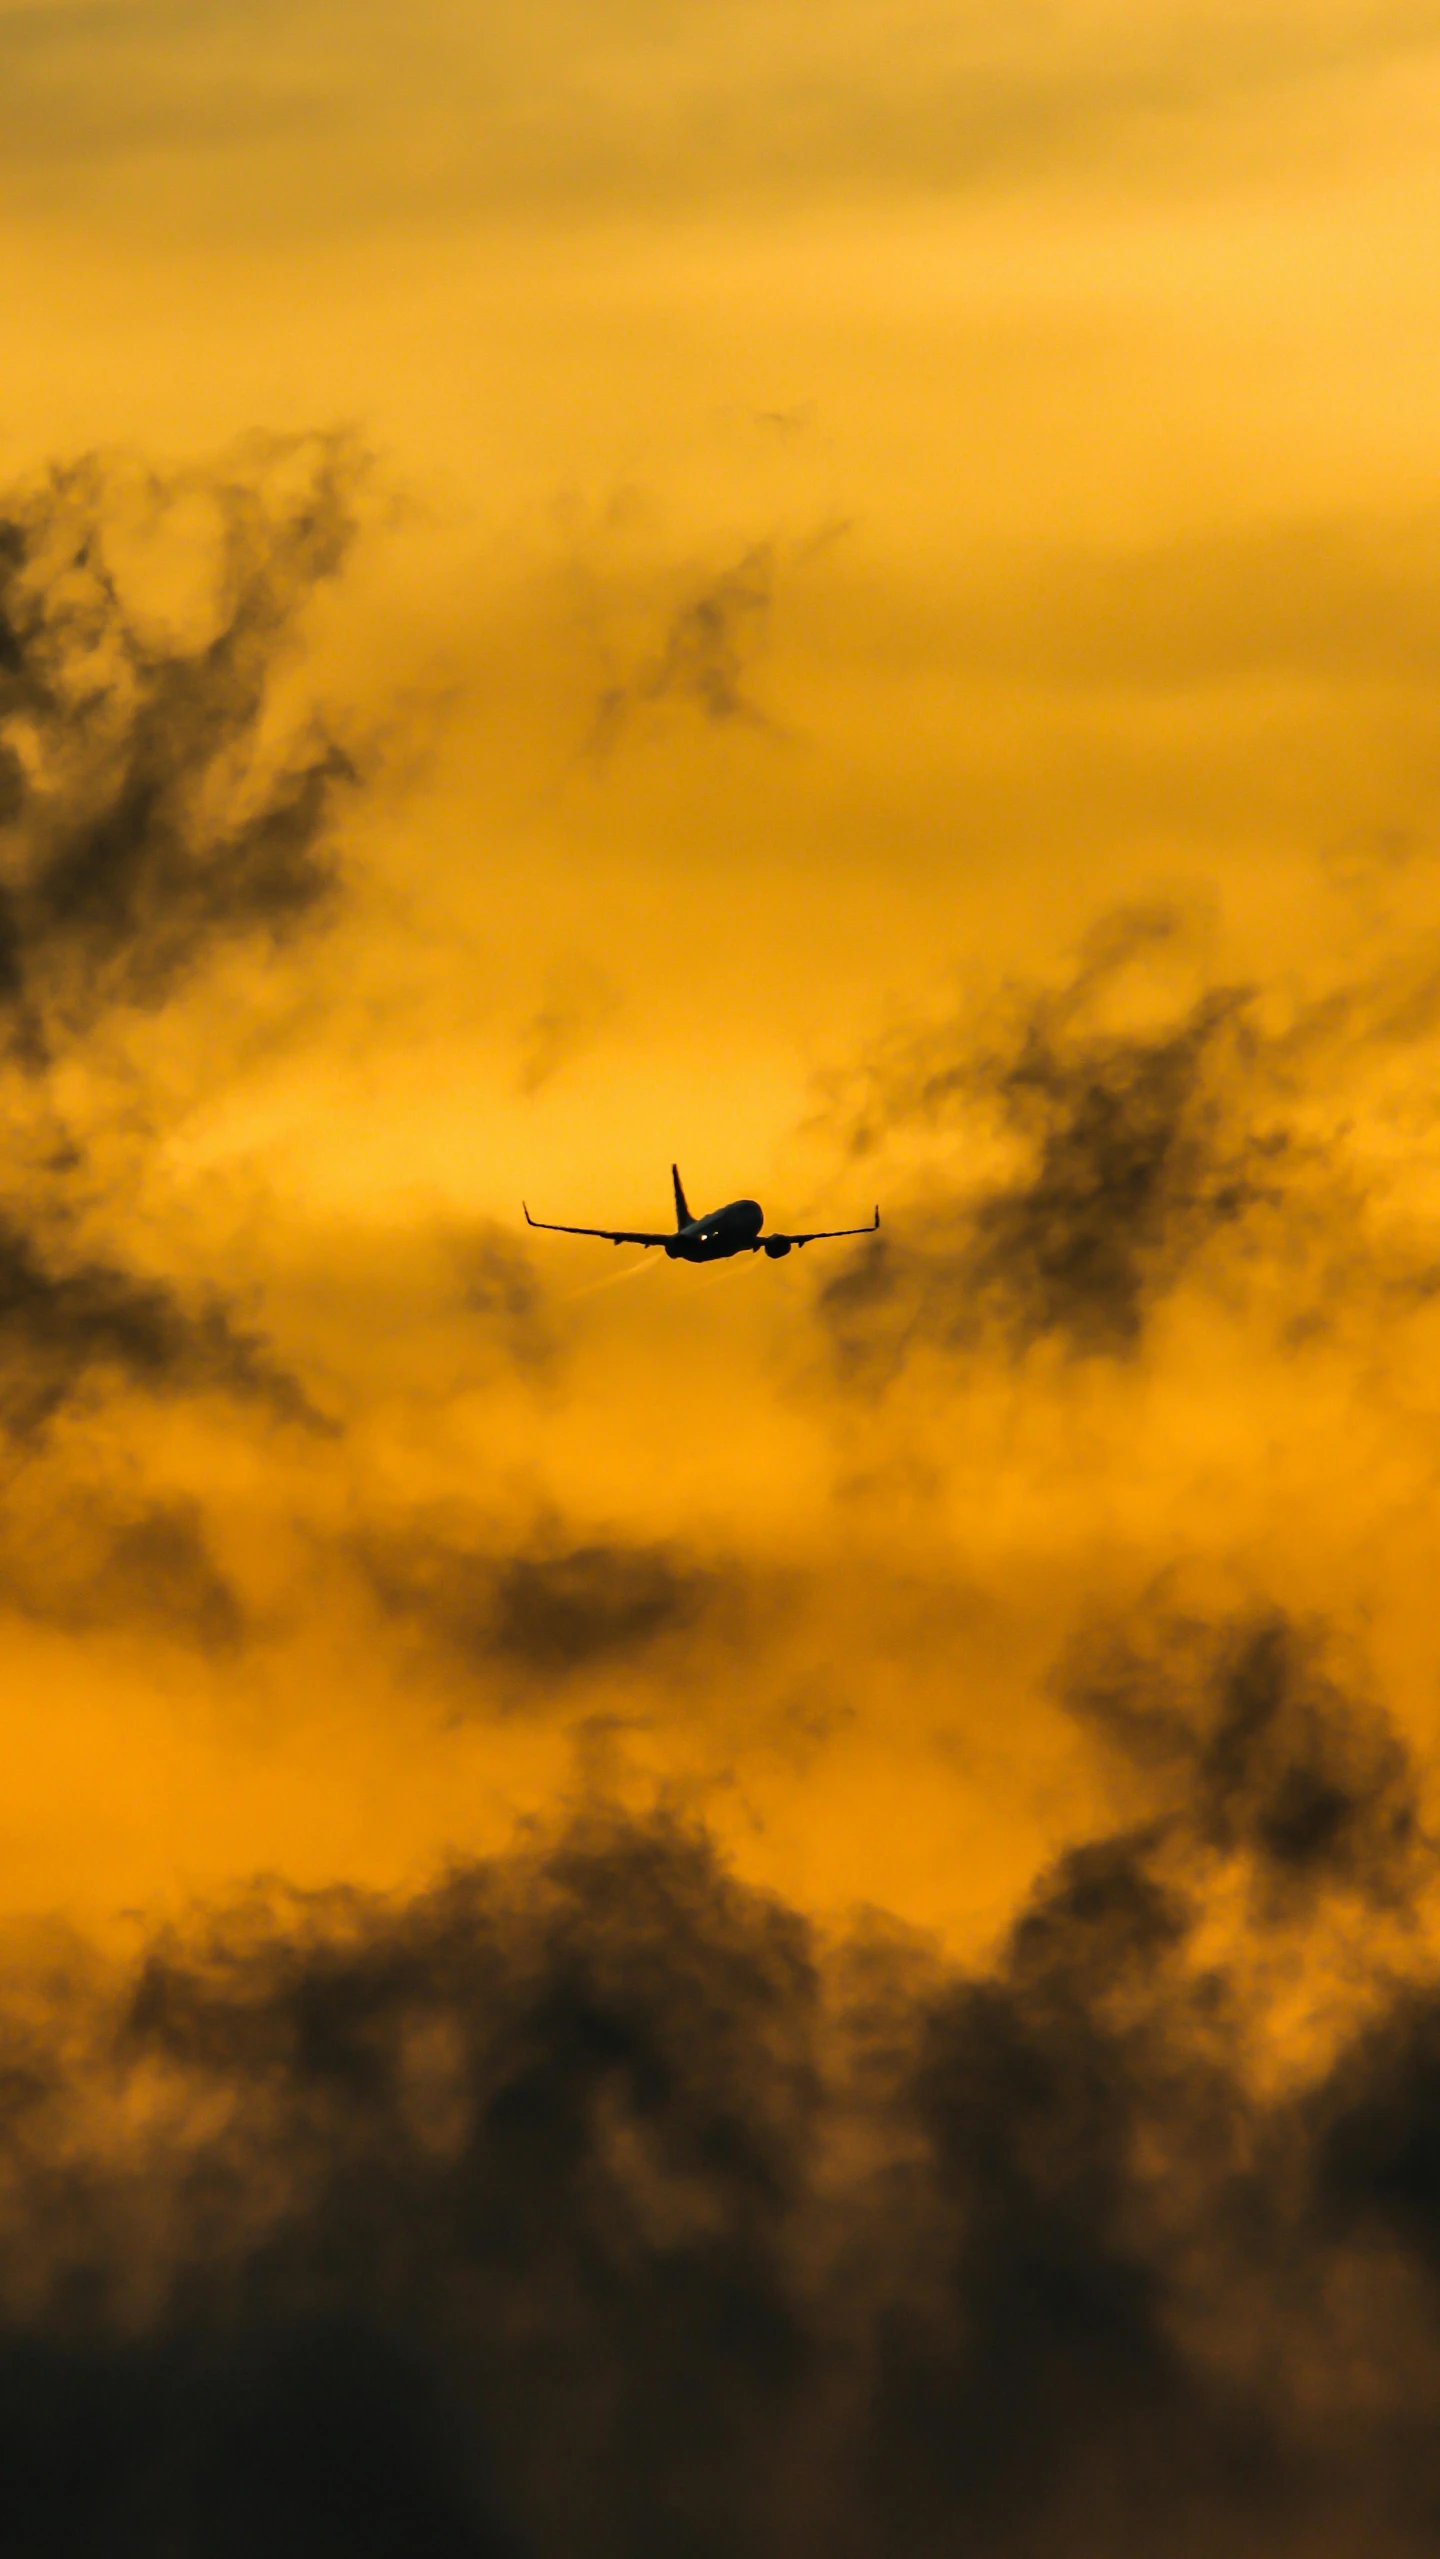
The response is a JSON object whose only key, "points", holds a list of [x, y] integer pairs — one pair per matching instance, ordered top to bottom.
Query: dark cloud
{"points": [[702, 660], [160, 798], [149, 809], [1128, 1154], [500, 1287], [66, 1332], [73, 1556], [160, 1567], [547, 1612], [562, 1612], [1247, 1729], [1376, 2125], [535, 2141], [342, 2221]]}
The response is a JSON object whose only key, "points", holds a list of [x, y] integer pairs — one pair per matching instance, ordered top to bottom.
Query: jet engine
{"points": [[777, 1246]]}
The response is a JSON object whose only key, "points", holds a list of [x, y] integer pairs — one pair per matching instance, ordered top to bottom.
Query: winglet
{"points": [[877, 1212], [529, 1220]]}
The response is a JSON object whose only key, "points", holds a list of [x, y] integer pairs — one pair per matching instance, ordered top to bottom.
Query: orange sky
{"points": [[855, 501], [787, 1907]]}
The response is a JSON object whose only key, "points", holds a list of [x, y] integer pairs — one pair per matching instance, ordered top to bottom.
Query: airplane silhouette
{"points": [[732, 1229]]}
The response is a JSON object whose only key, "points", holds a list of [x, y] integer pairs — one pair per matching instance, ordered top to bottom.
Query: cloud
{"points": [[731, 105], [702, 657], [166, 797], [159, 802], [151, 809], [1127, 1152], [1071, 1159], [500, 1287], [65, 1332], [74, 1556], [545, 1612], [560, 1612], [1246, 1727], [1374, 2125], [535, 2141], [780, 2234]]}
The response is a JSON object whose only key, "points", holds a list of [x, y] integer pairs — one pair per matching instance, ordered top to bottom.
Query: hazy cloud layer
{"points": [[713, 106], [1316, 599]]}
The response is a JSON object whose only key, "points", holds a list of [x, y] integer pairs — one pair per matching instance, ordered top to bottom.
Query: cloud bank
{"points": [[590, 2199]]}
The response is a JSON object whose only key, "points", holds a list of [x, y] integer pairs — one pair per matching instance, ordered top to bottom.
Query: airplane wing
{"points": [[606, 1234], [823, 1234]]}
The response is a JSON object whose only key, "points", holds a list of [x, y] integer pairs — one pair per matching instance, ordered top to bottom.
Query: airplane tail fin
{"points": [[682, 1210]]}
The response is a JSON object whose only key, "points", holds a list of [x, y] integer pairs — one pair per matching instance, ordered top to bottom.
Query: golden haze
{"points": [[1042, 421], [849, 597]]}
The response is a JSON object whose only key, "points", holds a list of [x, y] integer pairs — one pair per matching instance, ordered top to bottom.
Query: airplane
{"points": [[714, 1238]]}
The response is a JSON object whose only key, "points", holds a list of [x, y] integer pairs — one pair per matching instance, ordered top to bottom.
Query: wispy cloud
{"points": [[701, 661]]}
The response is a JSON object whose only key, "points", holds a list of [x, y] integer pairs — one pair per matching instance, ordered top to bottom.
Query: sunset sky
{"points": [[849, 596]]}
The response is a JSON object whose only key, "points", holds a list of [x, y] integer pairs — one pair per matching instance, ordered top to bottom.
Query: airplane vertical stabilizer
{"points": [[682, 1212]]}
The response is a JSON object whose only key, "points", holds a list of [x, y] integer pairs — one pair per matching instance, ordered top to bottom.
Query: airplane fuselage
{"points": [[732, 1229]]}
